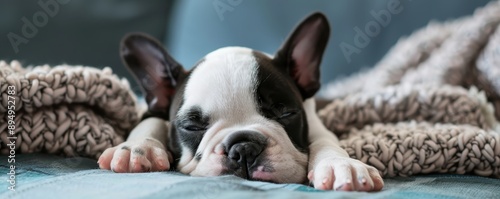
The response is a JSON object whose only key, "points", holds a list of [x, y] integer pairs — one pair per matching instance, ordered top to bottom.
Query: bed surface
{"points": [[49, 176]]}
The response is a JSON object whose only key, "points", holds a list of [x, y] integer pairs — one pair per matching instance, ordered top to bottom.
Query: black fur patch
{"points": [[279, 99], [191, 127], [174, 142]]}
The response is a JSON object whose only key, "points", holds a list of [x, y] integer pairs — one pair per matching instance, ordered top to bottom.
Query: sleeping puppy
{"points": [[239, 112]]}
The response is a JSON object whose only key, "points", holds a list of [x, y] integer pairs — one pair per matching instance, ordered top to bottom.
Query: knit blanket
{"points": [[432, 104], [70, 110]]}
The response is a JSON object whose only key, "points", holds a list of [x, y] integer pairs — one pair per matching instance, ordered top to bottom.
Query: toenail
{"points": [[126, 148], [139, 151], [160, 163], [310, 175]]}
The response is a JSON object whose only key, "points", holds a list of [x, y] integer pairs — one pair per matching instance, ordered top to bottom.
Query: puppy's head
{"points": [[238, 111]]}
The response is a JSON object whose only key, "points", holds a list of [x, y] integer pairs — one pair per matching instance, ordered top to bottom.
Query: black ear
{"points": [[300, 56], [154, 69]]}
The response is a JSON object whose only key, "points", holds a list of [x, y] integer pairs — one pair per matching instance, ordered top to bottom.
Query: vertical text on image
{"points": [[11, 129]]}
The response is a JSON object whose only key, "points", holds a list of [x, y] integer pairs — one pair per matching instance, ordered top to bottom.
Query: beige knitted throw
{"points": [[430, 104], [72, 110]]}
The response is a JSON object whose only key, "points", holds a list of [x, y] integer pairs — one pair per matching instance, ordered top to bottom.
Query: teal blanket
{"points": [[48, 176]]}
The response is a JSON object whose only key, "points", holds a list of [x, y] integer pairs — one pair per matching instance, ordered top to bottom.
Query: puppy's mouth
{"points": [[245, 170], [259, 170], [262, 173], [259, 174]]}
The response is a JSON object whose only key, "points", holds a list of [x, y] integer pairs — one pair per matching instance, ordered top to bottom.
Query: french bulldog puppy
{"points": [[238, 111]]}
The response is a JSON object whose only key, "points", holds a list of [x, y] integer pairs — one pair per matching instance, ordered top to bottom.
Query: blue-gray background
{"points": [[88, 32]]}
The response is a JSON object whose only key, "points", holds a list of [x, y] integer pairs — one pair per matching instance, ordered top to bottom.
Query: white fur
{"points": [[223, 86], [330, 166]]}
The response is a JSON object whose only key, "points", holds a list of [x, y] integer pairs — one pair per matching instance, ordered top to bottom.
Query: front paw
{"points": [[136, 156], [345, 174]]}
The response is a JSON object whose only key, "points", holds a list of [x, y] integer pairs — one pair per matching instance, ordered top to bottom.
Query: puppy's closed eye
{"points": [[193, 121]]}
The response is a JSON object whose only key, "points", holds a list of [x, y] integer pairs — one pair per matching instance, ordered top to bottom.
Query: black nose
{"points": [[243, 147]]}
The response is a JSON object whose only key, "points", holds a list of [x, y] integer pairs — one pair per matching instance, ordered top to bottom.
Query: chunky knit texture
{"points": [[431, 105], [73, 110]]}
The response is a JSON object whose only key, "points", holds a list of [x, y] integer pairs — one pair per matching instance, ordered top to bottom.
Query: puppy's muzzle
{"points": [[242, 149]]}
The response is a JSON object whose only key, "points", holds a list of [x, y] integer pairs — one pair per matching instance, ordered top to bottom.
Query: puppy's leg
{"points": [[143, 151], [330, 167]]}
